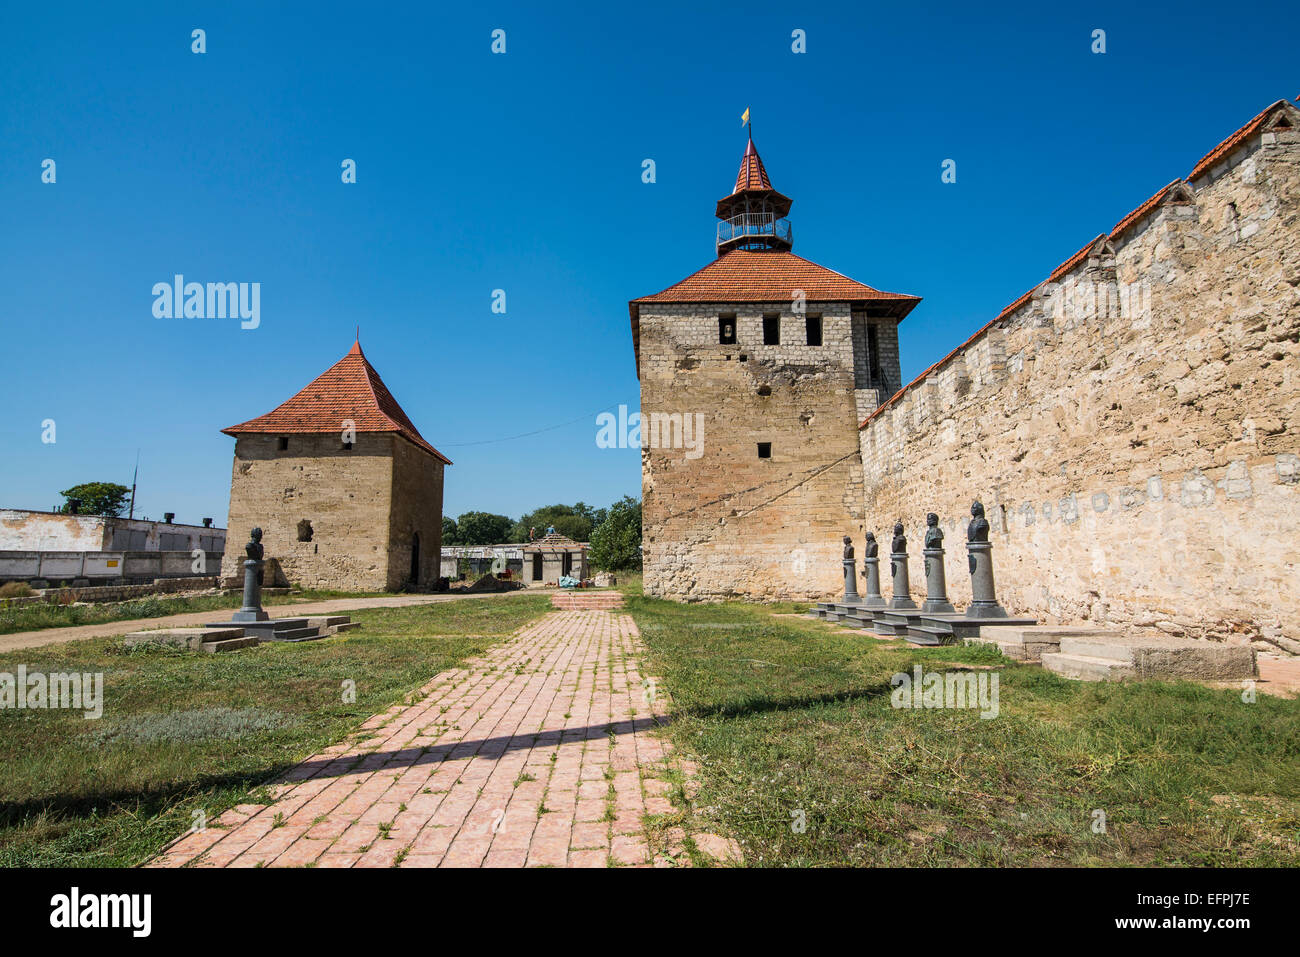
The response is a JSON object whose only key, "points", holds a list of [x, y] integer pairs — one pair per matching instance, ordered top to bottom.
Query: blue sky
{"points": [[522, 172]]}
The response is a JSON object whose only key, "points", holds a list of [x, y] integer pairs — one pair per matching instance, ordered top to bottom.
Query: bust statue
{"points": [[978, 529], [933, 533], [899, 544], [254, 547], [873, 548], [848, 549]]}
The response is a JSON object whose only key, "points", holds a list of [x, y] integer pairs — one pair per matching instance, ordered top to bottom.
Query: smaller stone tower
{"points": [[346, 490]]}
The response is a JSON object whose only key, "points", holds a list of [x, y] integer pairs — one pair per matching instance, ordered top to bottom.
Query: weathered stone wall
{"points": [[1133, 429], [346, 495], [416, 508], [726, 522]]}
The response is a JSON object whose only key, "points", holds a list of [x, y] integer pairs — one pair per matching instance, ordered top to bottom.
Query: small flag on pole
{"points": [[744, 117]]}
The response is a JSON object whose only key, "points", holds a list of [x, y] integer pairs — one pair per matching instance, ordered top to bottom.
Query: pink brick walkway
{"points": [[540, 753]]}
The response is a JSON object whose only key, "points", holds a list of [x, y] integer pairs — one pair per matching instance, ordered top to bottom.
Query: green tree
{"points": [[97, 498], [575, 521], [482, 528], [449, 531], [616, 542]]}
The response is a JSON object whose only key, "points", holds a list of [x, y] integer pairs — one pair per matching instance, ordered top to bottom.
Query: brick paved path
{"points": [[555, 718]]}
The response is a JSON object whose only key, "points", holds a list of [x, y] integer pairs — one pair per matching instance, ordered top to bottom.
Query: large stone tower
{"points": [[755, 373], [347, 492]]}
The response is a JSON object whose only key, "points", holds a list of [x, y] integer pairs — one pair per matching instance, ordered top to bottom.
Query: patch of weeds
{"points": [[187, 726]]}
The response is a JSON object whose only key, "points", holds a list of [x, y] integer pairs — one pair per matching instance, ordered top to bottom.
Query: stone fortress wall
{"points": [[1132, 425]]}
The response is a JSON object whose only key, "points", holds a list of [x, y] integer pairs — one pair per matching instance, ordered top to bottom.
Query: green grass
{"points": [[36, 616], [792, 718], [187, 731]]}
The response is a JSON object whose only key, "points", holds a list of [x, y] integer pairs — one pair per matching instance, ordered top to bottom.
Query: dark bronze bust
{"points": [[978, 529], [933, 533], [899, 544], [254, 547], [873, 547], [848, 548]]}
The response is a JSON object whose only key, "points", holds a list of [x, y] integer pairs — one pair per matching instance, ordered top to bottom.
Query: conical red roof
{"points": [[753, 174], [752, 184], [349, 389]]}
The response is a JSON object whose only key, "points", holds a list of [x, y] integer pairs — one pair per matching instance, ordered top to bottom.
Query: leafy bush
{"points": [[616, 542], [16, 590]]}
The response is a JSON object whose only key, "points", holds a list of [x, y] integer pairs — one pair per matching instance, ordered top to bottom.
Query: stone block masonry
{"points": [[1133, 425], [760, 513], [336, 517]]}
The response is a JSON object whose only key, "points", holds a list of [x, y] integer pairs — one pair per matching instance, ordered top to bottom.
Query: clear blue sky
{"points": [[523, 172]]}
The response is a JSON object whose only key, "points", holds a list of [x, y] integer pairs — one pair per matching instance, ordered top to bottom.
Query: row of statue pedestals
{"points": [[984, 603]]}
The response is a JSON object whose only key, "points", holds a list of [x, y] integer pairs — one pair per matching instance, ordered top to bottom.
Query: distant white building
{"points": [[29, 531], [51, 546]]}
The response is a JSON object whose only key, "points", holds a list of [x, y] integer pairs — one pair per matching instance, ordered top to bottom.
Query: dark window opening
{"points": [[814, 325], [727, 330], [771, 330], [873, 352], [744, 358], [764, 390], [284, 443], [764, 450], [304, 531], [415, 557]]}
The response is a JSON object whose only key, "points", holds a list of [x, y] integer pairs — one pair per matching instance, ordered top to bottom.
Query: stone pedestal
{"points": [[871, 570], [936, 583], [901, 587], [851, 596], [984, 602], [252, 608]]}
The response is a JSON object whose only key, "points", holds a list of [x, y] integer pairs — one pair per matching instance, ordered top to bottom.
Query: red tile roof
{"points": [[1233, 141], [753, 174], [1132, 218], [749, 275], [349, 389], [554, 542]]}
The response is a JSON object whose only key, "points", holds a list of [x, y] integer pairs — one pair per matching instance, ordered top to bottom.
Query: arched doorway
{"points": [[415, 558]]}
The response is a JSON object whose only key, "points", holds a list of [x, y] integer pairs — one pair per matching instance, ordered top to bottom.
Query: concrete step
{"points": [[586, 601], [328, 621], [347, 626], [964, 627], [306, 633], [929, 635], [186, 638], [1028, 643], [228, 644], [1111, 645], [1163, 656], [1086, 667]]}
